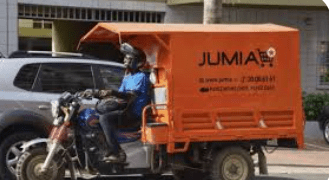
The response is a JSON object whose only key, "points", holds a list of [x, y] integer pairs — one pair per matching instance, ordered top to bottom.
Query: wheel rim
{"points": [[326, 132], [12, 156], [34, 166], [235, 167]]}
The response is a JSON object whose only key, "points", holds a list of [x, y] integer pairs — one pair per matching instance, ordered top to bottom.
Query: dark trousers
{"points": [[110, 119], [109, 123]]}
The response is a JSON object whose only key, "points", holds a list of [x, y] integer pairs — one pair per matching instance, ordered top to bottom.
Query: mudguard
{"points": [[25, 117], [26, 146]]}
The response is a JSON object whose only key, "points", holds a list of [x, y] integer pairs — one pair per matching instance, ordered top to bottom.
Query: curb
{"points": [[299, 165]]}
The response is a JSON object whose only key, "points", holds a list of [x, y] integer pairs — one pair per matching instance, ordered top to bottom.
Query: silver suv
{"points": [[29, 81]]}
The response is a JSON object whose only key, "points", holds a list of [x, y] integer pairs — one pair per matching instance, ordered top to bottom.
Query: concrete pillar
{"points": [[8, 26], [66, 34]]}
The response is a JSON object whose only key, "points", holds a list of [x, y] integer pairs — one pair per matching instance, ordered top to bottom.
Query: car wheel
{"points": [[326, 131], [11, 150], [232, 163]]}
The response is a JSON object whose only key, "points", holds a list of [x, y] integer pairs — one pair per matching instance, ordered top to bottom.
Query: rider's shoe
{"points": [[120, 157]]}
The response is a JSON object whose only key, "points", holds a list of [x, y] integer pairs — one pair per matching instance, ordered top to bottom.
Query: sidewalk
{"points": [[297, 161]]}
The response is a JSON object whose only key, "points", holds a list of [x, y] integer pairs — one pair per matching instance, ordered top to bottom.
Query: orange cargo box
{"points": [[218, 82]]}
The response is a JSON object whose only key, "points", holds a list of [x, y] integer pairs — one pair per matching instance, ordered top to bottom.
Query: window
{"points": [[27, 11], [65, 12], [89, 12], [77, 13], [83, 14], [97, 14], [103, 14], [120, 15], [37, 24], [48, 25], [323, 65], [26, 76], [111, 77], [58, 78]]}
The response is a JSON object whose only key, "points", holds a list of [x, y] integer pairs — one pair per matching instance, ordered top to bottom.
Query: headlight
{"points": [[54, 108], [58, 121]]}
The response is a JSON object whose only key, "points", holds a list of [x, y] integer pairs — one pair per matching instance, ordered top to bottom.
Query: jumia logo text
{"points": [[238, 58]]}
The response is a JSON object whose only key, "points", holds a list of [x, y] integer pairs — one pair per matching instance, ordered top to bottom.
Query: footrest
{"points": [[156, 124], [156, 133], [117, 163]]}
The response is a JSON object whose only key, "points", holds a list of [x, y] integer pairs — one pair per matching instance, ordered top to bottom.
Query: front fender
{"points": [[39, 141]]}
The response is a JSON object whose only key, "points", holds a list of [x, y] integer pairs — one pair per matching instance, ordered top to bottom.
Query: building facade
{"points": [[75, 16], [71, 19]]}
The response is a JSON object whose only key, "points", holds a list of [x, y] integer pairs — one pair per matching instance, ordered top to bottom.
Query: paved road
{"points": [[269, 177], [294, 177]]}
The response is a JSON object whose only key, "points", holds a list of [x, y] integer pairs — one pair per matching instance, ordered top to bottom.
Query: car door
{"points": [[45, 82], [16, 83]]}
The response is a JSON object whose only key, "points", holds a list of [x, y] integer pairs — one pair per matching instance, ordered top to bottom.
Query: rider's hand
{"points": [[81, 93], [87, 93], [105, 93]]}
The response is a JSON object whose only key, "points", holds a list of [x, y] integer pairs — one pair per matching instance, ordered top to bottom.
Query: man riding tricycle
{"points": [[206, 100]]}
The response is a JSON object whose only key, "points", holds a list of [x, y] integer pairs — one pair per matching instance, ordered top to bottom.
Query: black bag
{"points": [[110, 104]]}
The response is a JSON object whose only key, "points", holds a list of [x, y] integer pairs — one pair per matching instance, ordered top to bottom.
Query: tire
{"points": [[326, 131], [10, 153], [31, 161], [233, 163], [178, 174]]}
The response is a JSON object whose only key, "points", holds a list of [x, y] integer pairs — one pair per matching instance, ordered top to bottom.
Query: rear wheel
{"points": [[30, 163], [233, 163]]}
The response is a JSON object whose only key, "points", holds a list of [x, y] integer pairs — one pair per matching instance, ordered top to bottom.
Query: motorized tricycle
{"points": [[220, 94], [77, 142]]}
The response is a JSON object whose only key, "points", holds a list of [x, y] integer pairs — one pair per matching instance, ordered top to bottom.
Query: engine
{"points": [[92, 136]]}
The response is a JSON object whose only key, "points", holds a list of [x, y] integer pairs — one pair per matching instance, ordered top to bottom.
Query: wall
{"points": [[318, 3], [105, 4], [9, 14], [8, 26], [66, 34]]}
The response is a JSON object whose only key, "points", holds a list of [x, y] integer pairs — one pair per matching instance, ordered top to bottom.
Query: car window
{"points": [[26, 76], [111, 77], [58, 78]]}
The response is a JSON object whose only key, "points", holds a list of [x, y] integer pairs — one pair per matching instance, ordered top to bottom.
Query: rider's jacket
{"points": [[138, 83]]}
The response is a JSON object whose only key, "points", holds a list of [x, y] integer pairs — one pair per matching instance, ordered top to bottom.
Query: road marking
{"points": [[316, 146]]}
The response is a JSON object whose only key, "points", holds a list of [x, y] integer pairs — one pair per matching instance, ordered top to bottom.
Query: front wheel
{"points": [[30, 163], [233, 163]]}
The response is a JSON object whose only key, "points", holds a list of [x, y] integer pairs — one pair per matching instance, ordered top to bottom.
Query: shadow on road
{"points": [[190, 178], [273, 178]]}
